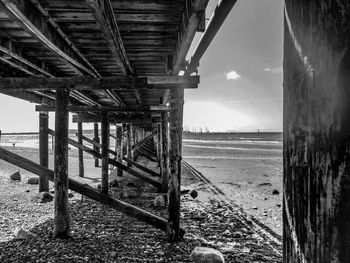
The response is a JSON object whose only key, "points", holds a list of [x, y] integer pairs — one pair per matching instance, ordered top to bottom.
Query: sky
{"points": [[240, 76]]}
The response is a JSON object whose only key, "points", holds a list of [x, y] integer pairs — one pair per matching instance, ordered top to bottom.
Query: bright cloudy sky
{"points": [[241, 76]]}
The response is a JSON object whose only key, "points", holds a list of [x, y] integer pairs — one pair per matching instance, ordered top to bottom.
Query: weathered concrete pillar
{"points": [[43, 149], [316, 212]]}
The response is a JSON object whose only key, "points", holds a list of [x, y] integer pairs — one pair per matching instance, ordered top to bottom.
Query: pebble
{"points": [[16, 176], [275, 192]]}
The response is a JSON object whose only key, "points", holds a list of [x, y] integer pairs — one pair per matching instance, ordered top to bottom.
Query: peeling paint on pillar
{"points": [[317, 131]]}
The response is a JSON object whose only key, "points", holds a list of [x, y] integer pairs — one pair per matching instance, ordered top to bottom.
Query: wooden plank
{"points": [[105, 17], [30, 19], [88, 83], [106, 108], [43, 149], [80, 152], [104, 152], [175, 156], [112, 162], [141, 167], [89, 192], [61, 217]]}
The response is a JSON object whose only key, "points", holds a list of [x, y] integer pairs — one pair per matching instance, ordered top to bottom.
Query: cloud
{"points": [[277, 70], [233, 75]]}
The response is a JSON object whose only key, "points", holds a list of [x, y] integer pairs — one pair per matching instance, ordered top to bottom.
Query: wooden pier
{"points": [[123, 63]]}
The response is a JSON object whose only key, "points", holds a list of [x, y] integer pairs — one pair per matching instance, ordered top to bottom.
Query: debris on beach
{"points": [[16, 176], [33, 180], [265, 184], [275, 192], [194, 194], [43, 197], [159, 202], [21, 233], [206, 255]]}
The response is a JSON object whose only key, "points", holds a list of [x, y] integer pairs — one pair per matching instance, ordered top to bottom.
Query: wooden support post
{"points": [[119, 131], [96, 139], [159, 144], [129, 147], [124, 148], [43, 149], [104, 151], [81, 156], [175, 156], [164, 167], [62, 228]]}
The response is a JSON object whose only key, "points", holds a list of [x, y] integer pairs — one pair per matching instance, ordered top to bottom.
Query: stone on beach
{"points": [[16, 176], [33, 180], [275, 192], [128, 193], [193, 194], [43, 197], [159, 202], [21, 233], [206, 255]]}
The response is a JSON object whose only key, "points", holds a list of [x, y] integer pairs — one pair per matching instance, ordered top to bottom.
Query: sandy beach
{"points": [[207, 222]]}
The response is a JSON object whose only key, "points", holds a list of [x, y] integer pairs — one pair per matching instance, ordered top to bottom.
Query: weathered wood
{"points": [[105, 17], [89, 83], [153, 108], [112, 119], [96, 139], [129, 144], [159, 144], [119, 146], [43, 149], [80, 152], [104, 152], [316, 155], [175, 156], [112, 162], [141, 167], [164, 171], [83, 189], [61, 218]]}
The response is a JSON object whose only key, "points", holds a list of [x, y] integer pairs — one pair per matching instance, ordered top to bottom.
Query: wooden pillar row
{"points": [[96, 139], [43, 149], [104, 151], [80, 152], [175, 157], [61, 217]]}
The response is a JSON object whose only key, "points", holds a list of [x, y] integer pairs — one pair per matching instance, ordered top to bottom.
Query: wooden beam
{"points": [[104, 14], [30, 18], [187, 37], [88, 83], [105, 108], [112, 119], [119, 139], [129, 143], [43, 149], [80, 152], [104, 152], [175, 156], [112, 162], [141, 167], [89, 192], [61, 218]]}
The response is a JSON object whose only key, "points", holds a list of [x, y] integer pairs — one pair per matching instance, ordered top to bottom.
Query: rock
{"points": [[16, 176], [33, 180], [113, 183], [27, 191], [184, 191], [275, 192], [128, 193], [193, 194], [70, 195], [43, 197], [159, 202], [278, 205], [255, 207], [227, 232], [21, 233], [236, 235], [113, 254], [206, 255]]}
